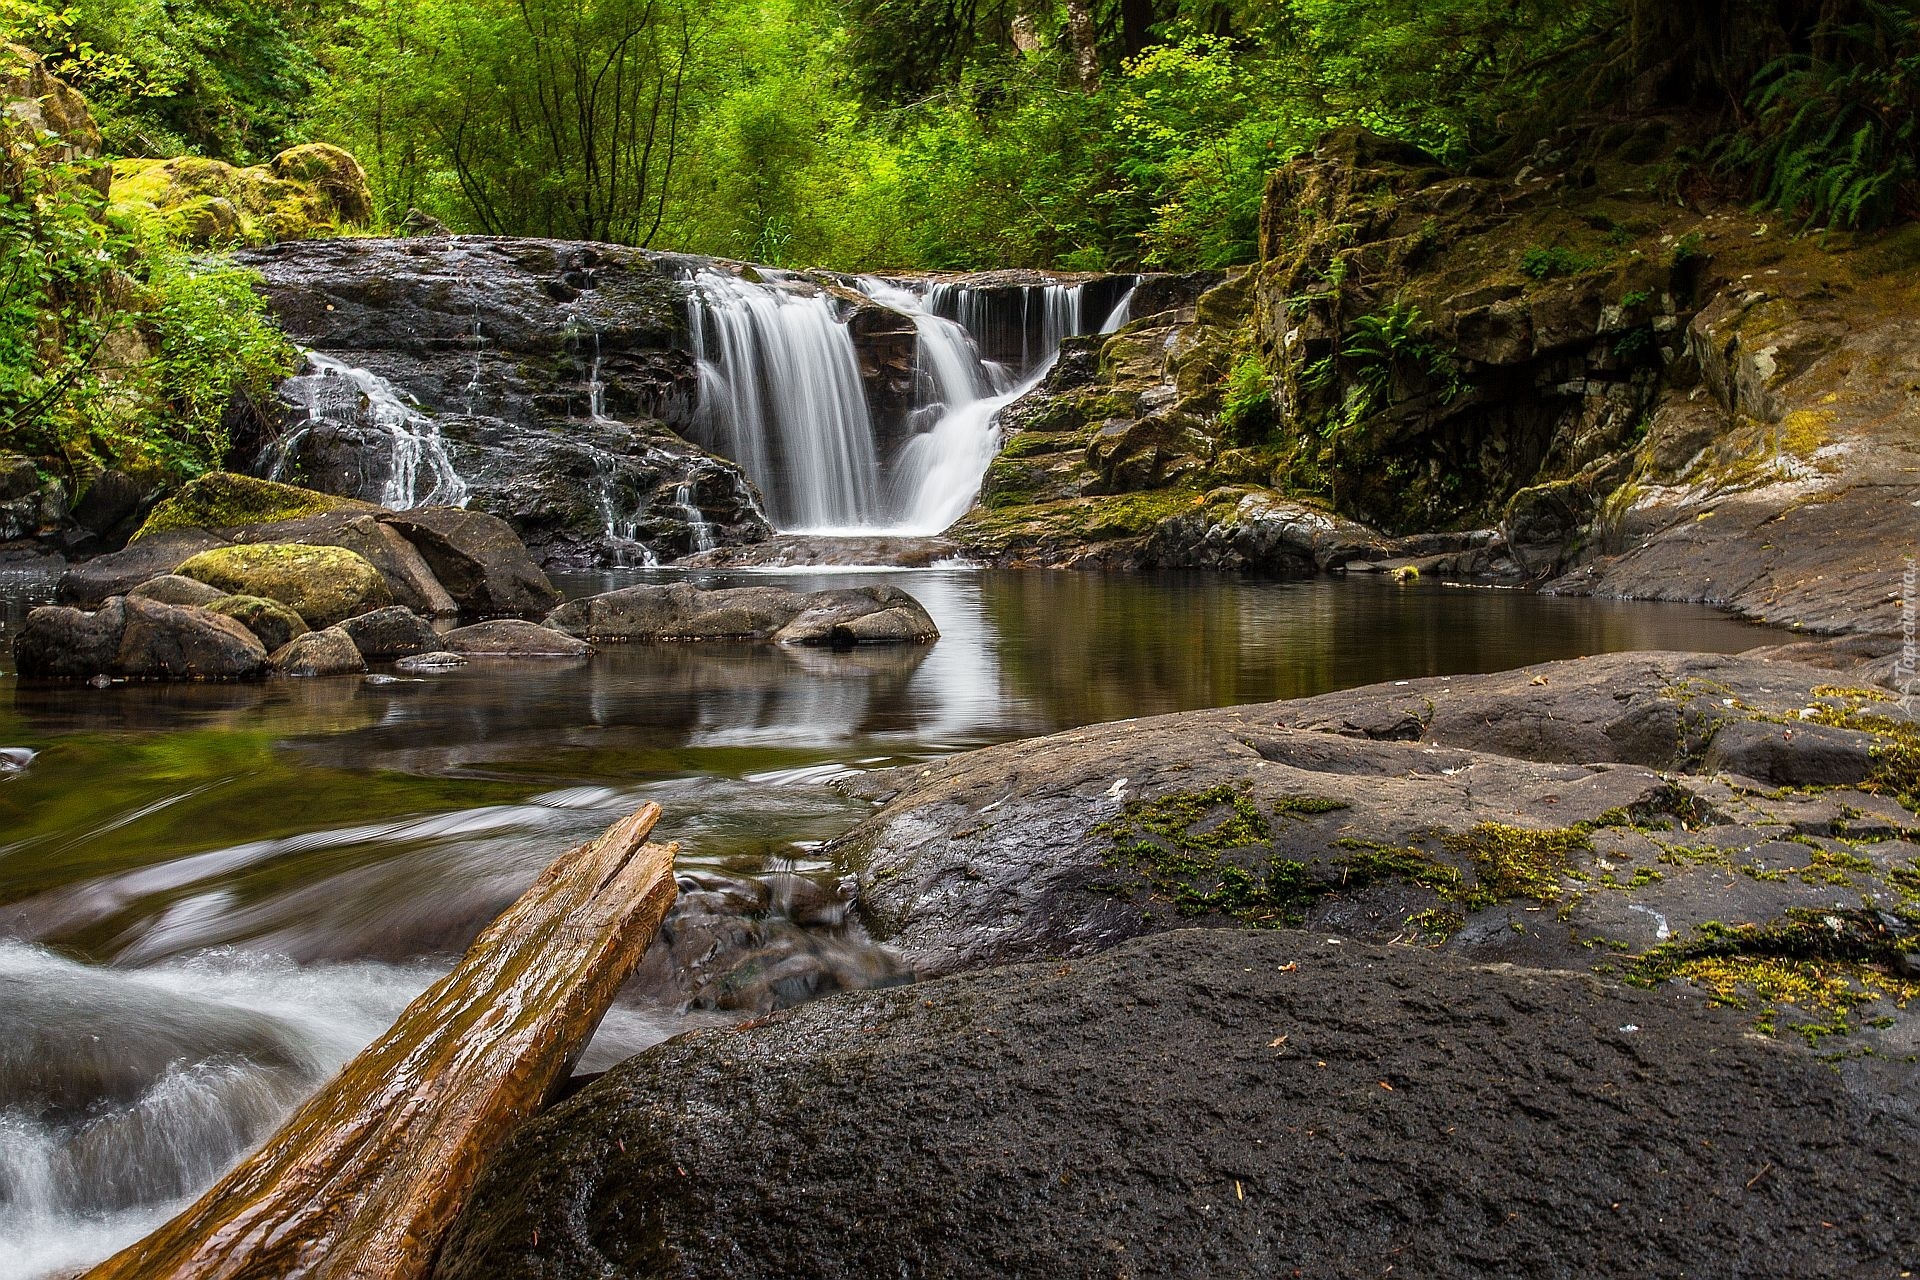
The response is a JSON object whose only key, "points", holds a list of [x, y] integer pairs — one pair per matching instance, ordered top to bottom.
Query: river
{"points": [[211, 896]]}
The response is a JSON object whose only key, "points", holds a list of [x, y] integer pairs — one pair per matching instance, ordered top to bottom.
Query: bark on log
{"points": [[363, 1180]]}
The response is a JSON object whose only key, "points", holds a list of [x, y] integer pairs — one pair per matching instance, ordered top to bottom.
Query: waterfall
{"points": [[1122, 310], [333, 391], [780, 394], [699, 527]]}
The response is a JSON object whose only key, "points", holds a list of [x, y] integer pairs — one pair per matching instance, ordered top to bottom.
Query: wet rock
{"points": [[112, 505], [479, 560], [407, 573], [91, 583], [324, 585], [172, 588], [683, 612], [271, 622], [386, 634], [513, 638], [137, 639], [169, 642], [63, 643], [327, 652], [438, 660], [1793, 755], [1376, 812], [1205, 1104]]}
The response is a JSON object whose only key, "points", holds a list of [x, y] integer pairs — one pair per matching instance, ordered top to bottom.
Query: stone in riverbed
{"points": [[479, 559], [91, 583], [324, 585], [172, 588], [683, 612], [271, 622], [395, 632], [513, 638], [137, 639], [328, 652], [438, 660], [1207, 1103]]}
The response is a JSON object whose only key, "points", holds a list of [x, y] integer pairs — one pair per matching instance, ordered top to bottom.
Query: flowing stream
{"points": [[339, 395]]}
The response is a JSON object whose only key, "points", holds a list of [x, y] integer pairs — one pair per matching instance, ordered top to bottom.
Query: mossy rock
{"points": [[306, 191], [224, 500], [324, 585], [271, 622]]}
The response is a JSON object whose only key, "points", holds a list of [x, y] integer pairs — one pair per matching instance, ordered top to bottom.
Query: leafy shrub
{"points": [[1834, 139], [1551, 263], [1247, 412]]}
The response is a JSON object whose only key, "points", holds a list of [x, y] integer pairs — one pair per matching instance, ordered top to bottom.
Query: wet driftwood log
{"points": [[363, 1180]]}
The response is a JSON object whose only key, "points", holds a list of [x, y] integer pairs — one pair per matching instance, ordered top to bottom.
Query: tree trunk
{"points": [[1086, 54], [363, 1180]]}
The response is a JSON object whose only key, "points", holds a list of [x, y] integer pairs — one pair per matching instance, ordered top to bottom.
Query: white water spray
{"points": [[336, 392]]}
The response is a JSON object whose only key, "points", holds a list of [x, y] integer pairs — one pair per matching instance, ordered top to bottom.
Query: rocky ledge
{"points": [[682, 612], [1227, 992]]}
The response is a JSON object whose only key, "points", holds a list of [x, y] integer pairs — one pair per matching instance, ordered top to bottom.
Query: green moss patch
{"points": [[223, 500], [1204, 852], [1516, 862]]}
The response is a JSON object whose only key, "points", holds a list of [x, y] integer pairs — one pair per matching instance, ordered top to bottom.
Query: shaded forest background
{"points": [[867, 134]]}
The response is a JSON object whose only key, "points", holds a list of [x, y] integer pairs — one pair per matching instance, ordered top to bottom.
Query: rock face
{"points": [[498, 345], [324, 585], [682, 612], [137, 639], [1529, 816], [1204, 1104]]}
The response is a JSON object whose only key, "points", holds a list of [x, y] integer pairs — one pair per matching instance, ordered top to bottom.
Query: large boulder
{"points": [[51, 113], [306, 191], [223, 500], [479, 559], [91, 583], [324, 585], [172, 588], [683, 612], [386, 634], [137, 639], [327, 652], [1210, 1104]]}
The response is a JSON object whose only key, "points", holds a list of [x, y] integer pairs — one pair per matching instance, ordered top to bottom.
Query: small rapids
{"points": [[335, 394]]}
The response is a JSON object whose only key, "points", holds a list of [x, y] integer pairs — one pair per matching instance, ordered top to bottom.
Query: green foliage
{"points": [[224, 78], [1834, 140], [1549, 263], [116, 346], [1247, 412]]}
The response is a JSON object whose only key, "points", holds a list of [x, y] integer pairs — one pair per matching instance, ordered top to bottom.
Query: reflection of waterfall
{"points": [[337, 393], [780, 394]]}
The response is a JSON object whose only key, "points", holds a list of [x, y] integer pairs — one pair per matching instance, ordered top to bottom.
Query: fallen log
{"points": [[363, 1180]]}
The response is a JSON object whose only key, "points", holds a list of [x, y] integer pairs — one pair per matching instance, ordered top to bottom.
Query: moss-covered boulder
{"points": [[40, 109], [304, 192], [223, 500], [324, 585], [271, 622]]}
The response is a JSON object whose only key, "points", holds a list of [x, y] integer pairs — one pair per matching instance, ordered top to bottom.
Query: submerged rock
{"points": [[324, 585], [683, 612], [513, 638], [438, 660], [1204, 1104]]}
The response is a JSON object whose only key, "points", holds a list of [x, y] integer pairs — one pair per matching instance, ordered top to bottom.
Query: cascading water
{"points": [[333, 391], [780, 394], [699, 527]]}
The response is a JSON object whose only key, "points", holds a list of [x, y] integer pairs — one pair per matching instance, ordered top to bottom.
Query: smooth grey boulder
{"points": [[479, 559], [91, 583], [172, 588], [683, 612], [394, 632], [513, 638], [137, 639], [60, 642], [328, 652], [438, 660], [1206, 1104]]}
